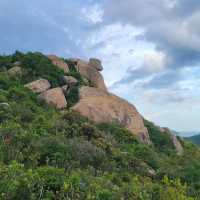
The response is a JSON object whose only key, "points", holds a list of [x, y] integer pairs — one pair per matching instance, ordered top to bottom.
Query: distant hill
{"points": [[188, 133], [195, 139]]}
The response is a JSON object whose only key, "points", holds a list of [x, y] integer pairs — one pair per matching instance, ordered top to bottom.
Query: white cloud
{"points": [[93, 14], [154, 61]]}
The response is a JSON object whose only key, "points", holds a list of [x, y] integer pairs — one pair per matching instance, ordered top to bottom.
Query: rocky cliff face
{"points": [[101, 106]]}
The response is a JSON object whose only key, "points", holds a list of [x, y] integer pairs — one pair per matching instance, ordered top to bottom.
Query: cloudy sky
{"points": [[150, 49]]}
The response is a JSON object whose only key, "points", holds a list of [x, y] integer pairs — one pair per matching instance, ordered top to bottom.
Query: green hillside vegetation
{"points": [[194, 139], [48, 154]]}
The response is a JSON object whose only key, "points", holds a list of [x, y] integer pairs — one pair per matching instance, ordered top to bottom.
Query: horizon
{"points": [[150, 58]]}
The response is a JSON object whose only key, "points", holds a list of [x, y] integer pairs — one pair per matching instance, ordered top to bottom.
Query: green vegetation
{"points": [[195, 139], [161, 140], [47, 154]]}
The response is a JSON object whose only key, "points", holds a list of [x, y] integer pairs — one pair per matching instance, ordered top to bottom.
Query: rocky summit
{"points": [[94, 100]]}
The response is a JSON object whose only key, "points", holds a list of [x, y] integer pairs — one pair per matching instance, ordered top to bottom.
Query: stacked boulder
{"points": [[91, 71], [54, 96], [95, 102]]}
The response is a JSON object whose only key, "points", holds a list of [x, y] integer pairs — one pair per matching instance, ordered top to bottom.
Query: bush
{"points": [[73, 96], [121, 134], [161, 140]]}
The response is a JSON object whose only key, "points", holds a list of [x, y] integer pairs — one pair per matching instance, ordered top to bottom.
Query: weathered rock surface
{"points": [[59, 63], [96, 63], [14, 71], [92, 74], [69, 80], [39, 86], [65, 88], [54, 97], [101, 106], [176, 143]]}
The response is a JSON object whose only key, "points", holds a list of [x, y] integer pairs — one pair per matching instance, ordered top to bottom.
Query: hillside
{"points": [[194, 139], [56, 143]]}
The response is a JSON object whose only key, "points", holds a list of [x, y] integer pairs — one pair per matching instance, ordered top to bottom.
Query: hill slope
{"points": [[195, 139], [46, 153]]}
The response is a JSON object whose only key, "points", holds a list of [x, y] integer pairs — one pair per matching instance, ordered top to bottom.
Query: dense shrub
{"points": [[73, 96], [161, 140]]}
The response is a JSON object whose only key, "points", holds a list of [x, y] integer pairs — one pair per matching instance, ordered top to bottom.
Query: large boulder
{"points": [[59, 63], [96, 63], [15, 71], [91, 74], [39, 86], [54, 97], [100, 106], [175, 141]]}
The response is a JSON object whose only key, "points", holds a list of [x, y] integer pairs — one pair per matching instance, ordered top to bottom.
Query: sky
{"points": [[150, 49]]}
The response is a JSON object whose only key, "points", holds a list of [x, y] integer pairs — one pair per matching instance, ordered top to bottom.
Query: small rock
{"points": [[17, 63], [96, 63], [14, 71], [69, 80], [39, 86], [54, 97], [4, 105], [151, 172]]}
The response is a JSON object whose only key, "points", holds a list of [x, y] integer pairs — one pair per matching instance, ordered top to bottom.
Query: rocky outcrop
{"points": [[59, 63], [96, 63], [15, 71], [92, 74], [69, 80], [39, 86], [54, 97], [101, 106], [175, 141]]}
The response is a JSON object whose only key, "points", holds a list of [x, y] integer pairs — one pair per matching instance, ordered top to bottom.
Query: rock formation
{"points": [[59, 63], [96, 63], [14, 71], [92, 74], [69, 80], [39, 86], [54, 97], [95, 103], [101, 106]]}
